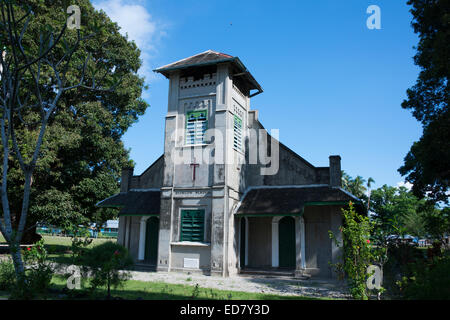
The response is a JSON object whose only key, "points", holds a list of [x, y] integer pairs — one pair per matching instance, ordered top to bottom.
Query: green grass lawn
{"points": [[58, 248], [59, 251], [134, 289], [142, 290]]}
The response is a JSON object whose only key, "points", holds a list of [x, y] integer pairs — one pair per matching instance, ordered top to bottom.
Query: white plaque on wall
{"points": [[191, 263]]}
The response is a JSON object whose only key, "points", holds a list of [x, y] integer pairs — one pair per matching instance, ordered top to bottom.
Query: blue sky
{"points": [[331, 85]]}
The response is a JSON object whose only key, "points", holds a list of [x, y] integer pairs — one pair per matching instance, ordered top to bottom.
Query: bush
{"points": [[357, 251], [104, 262], [38, 274], [7, 275], [427, 280]]}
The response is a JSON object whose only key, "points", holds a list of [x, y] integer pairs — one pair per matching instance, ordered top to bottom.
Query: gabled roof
{"points": [[209, 58], [290, 200], [135, 202]]}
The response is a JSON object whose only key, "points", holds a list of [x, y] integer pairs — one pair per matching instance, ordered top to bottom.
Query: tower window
{"points": [[196, 126], [237, 141], [192, 225]]}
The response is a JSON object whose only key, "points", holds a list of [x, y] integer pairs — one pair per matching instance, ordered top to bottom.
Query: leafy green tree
{"points": [[56, 139], [81, 153], [426, 165], [356, 186], [396, 211], [437, 223], [106, 263]]}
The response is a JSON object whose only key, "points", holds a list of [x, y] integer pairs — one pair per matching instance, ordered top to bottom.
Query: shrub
{"points": [[357, 251], [104, 262], [38, 274], [7, 275], [427, 279]]}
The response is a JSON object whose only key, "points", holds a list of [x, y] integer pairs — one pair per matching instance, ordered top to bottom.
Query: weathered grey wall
{"points": [[293, 169], [150, 178], [134, 237], [260, 242], [318, 242], [180, 252]]}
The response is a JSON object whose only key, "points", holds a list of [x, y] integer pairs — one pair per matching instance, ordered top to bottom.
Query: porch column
{"points": [[142, 234], [246, 241], [275, 242], [302, 242], [299, 246]]}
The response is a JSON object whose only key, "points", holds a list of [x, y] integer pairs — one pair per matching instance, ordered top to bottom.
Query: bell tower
{"points": [[204, 149]]}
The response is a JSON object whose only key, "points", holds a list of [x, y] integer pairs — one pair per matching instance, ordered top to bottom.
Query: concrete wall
{"points": [[293, 170], [150, 178], [128, 236], [260, 242], [318, 243], [181, 251]]}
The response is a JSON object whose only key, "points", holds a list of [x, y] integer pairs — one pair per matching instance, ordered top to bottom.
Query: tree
{"points": [[36, 75], [82, 153], [426, 165], [369, 185], [355, 186], [398, 212]]}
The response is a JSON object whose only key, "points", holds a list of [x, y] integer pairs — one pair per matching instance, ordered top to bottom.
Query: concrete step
{"points": [[144, 267], [269, 272]]}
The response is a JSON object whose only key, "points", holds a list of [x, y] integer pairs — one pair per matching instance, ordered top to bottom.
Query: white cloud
{"points": [[138, 23], [407, 185]]}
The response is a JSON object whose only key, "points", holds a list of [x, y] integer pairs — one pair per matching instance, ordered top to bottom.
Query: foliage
{"points": [[82, 152], [426, 164], [355, 185], [396, 211], [437, 223], [79, 247], [357, 251], [105, 264], [38, 274], [7, 275], [427, 279]]}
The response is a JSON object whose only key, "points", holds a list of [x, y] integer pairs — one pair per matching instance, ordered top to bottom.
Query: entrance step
{"points": [[144, 267], [269, 272]]}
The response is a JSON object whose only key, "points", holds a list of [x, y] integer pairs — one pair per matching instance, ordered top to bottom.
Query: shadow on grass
{"points": [[140, 290]]}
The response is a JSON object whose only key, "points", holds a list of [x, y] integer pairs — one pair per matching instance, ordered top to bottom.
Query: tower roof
{"points": [[209, 58]]}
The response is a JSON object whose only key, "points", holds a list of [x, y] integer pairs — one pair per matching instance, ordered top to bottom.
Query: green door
{"points": [[151, 240], [286, 242]]}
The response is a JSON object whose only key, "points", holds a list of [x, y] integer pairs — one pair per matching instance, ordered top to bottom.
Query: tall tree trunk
{"points": [[16, 256]]}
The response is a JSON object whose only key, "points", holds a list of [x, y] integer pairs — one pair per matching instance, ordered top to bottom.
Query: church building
{"points": [[227, 197]]}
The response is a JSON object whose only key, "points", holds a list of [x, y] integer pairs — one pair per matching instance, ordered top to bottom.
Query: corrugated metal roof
{"points": [[211, 57], [290, 200], [134, 202]]}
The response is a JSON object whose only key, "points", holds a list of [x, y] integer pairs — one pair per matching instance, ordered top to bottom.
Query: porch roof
{"points": [[290, 200], [134, 202]]}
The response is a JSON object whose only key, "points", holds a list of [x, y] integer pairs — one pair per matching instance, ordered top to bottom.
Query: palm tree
{"points": [[369, 184], [357, 187]]}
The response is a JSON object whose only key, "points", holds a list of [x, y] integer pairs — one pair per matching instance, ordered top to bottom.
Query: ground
{"points": [[164, 285], [285, 286]]}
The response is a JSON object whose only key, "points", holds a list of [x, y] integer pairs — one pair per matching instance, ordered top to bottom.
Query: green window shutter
{"points": [[196, 126], [237, 141], [192, 225]]}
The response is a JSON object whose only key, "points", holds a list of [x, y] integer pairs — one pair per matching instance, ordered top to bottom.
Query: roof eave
{"points": [[165, 71]]}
